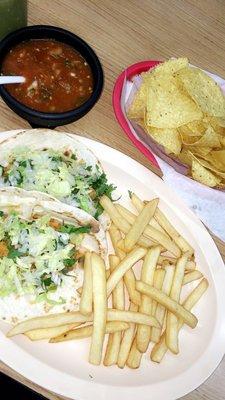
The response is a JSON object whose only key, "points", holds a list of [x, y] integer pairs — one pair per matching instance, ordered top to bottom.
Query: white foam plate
{"points": [[63, 367]]}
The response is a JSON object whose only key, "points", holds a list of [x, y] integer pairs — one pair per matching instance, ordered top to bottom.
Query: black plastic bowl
{"points": [[51, 120]]}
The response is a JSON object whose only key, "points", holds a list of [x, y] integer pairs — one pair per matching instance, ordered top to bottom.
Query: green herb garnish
{"points": [[101, 186], [73, 229], [13, 253], [47, 283]]}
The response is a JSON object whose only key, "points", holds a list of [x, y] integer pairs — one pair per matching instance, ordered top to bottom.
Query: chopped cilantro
{"points": [[74, 157], [56, 158], [23, 163], [89, 168], [20, 178], [101, 186], [75, 191], [130, 193], [99, 211], [1, 213], [74, 229], [13, 253], [69, 262], [47, 283]]}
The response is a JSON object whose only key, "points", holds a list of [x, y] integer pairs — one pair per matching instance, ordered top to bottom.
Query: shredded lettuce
{"points": [[64, 177], [38, 256]]}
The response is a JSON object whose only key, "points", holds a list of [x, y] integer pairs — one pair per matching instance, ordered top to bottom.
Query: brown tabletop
{"points": [[123, 32]]}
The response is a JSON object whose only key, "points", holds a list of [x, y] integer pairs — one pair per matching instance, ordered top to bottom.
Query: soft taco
{"points": [[54, 163], [42, 246]]}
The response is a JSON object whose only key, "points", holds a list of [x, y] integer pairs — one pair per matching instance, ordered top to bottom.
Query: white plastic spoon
{"points": [[11, 79]]}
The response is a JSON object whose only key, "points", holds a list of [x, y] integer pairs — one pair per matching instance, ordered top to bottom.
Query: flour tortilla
{"points": [[39, 139], [44, 139], [14, 308]]}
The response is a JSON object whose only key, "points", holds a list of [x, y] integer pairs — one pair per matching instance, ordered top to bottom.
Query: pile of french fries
{"points": [[135, 314]]}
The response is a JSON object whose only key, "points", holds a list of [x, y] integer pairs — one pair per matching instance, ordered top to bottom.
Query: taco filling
{"points": [[58, 173], [42, 248], [35, 256]]}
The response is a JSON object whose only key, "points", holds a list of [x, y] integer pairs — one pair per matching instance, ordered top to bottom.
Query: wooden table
{"points": [[123, 32]]}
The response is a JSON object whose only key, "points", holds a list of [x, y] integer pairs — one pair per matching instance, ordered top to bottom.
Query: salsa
{"points": [[58, 78]]}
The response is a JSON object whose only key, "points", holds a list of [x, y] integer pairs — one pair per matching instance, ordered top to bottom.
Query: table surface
{"points": [[122, 33]]}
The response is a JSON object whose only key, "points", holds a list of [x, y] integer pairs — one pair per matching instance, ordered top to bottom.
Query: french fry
{"points": [[115, 216], [129, 216], [140, 223], [165, 224], [156, 225], [153, 234], [115, 237], [162, 239], [178, 239], [143, 241], [183, 244], [120, 245], [165, 260], [128, 262], [190, 266], [147, 276], [192, 276], [129, 277], [130, 283], [157, 283], [86, 294], [118, 298], [118, 302], [168, 303], [99, 307], [160, 310], [135, 317], [53, 320], [172, 320], [49, 321], [86, 331], [48, 333], [127, 340], [112, 349], [159, 350], [134, 357]]}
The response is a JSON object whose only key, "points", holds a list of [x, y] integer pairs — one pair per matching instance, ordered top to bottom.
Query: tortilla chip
{"points": [[171, 66], [203, 90], [167, 105], [137, 108], [214, 122], [221, 122], [196, 127], [184, 131], [169, 138], [209, 139], [188, 140], [222, 140], [200, 151], [185, 157], [219, 157], [212, 168], [202, 175], [221, 186]]}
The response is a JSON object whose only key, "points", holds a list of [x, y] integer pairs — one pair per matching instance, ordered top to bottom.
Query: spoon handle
{"points": [[11, 79]]}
